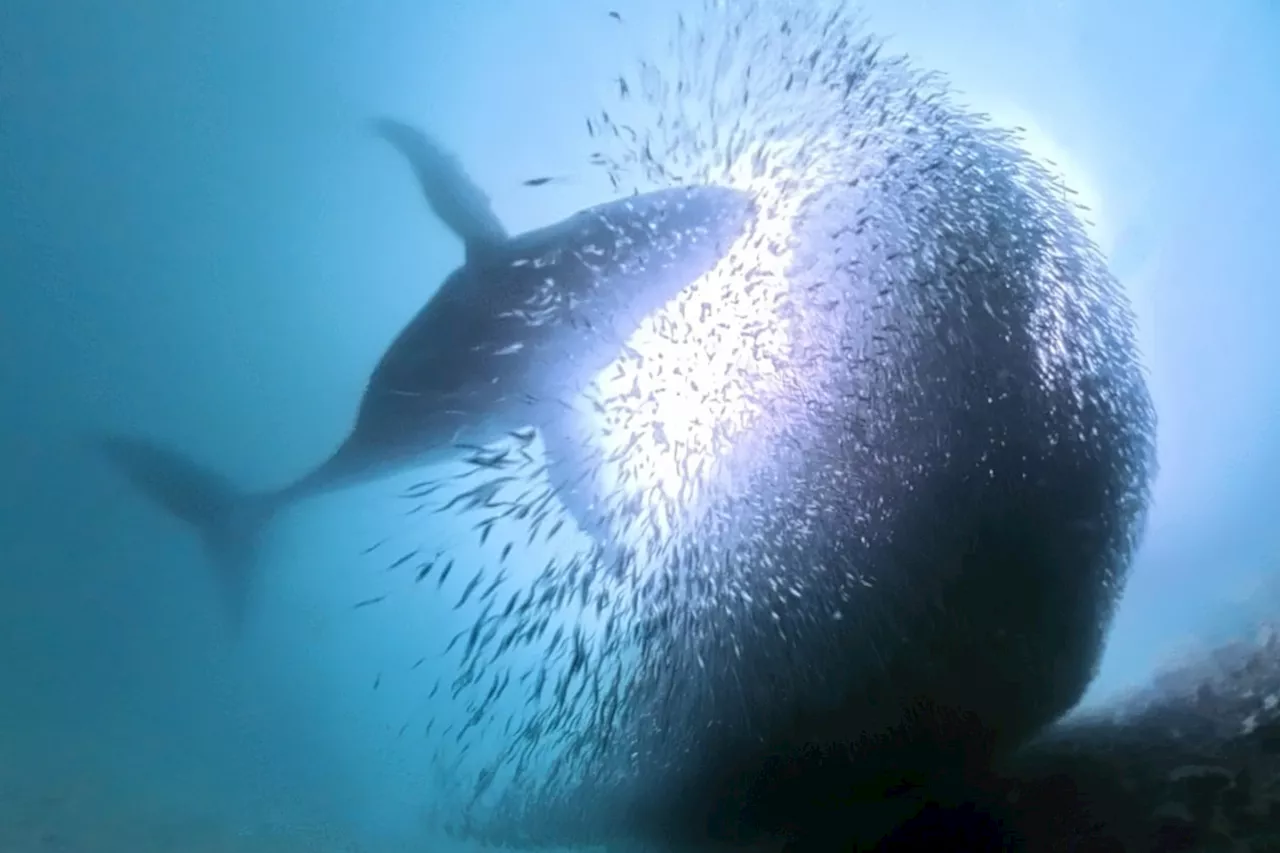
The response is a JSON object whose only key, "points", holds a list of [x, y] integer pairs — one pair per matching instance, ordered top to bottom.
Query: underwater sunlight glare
{"points": [[699, 374]]}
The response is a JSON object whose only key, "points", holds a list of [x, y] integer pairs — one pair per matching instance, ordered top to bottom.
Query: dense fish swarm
{"points": [[867, 492]]}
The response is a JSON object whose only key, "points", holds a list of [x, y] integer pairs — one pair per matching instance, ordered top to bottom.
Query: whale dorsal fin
{"points": [[452, 195]]}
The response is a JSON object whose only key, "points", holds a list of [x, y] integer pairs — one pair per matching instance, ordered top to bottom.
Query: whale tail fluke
{"points": [[230, 521]]}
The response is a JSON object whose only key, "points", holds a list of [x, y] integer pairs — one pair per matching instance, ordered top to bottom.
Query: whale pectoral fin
{"points": [[449, 191], [572, 465]]}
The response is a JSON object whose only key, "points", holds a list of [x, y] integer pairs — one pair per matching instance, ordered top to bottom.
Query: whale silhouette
{"points": [[525, 321]]}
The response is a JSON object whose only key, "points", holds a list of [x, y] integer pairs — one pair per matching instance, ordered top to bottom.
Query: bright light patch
{"points": [[1061, 163], [700, 373]]}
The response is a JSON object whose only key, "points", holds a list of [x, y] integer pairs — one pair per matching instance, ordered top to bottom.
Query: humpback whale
{"points": [[526, 321]]}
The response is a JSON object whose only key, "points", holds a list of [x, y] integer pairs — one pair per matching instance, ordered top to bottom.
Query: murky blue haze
{"points": [[201, 242]]}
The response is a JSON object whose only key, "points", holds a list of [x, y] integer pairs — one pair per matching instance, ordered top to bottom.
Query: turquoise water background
{"points": [[199, 240]]}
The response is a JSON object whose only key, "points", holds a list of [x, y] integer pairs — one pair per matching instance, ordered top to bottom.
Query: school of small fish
{"points": [[741, 422]]}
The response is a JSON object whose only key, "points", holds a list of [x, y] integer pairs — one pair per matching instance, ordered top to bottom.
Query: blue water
{"points": [[199, 240]]}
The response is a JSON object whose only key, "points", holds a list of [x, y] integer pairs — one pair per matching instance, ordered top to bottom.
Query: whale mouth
{"points": [[734, 212], [696, 379]]}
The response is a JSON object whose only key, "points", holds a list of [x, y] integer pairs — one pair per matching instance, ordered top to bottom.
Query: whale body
{"points": [[524, 323]]}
